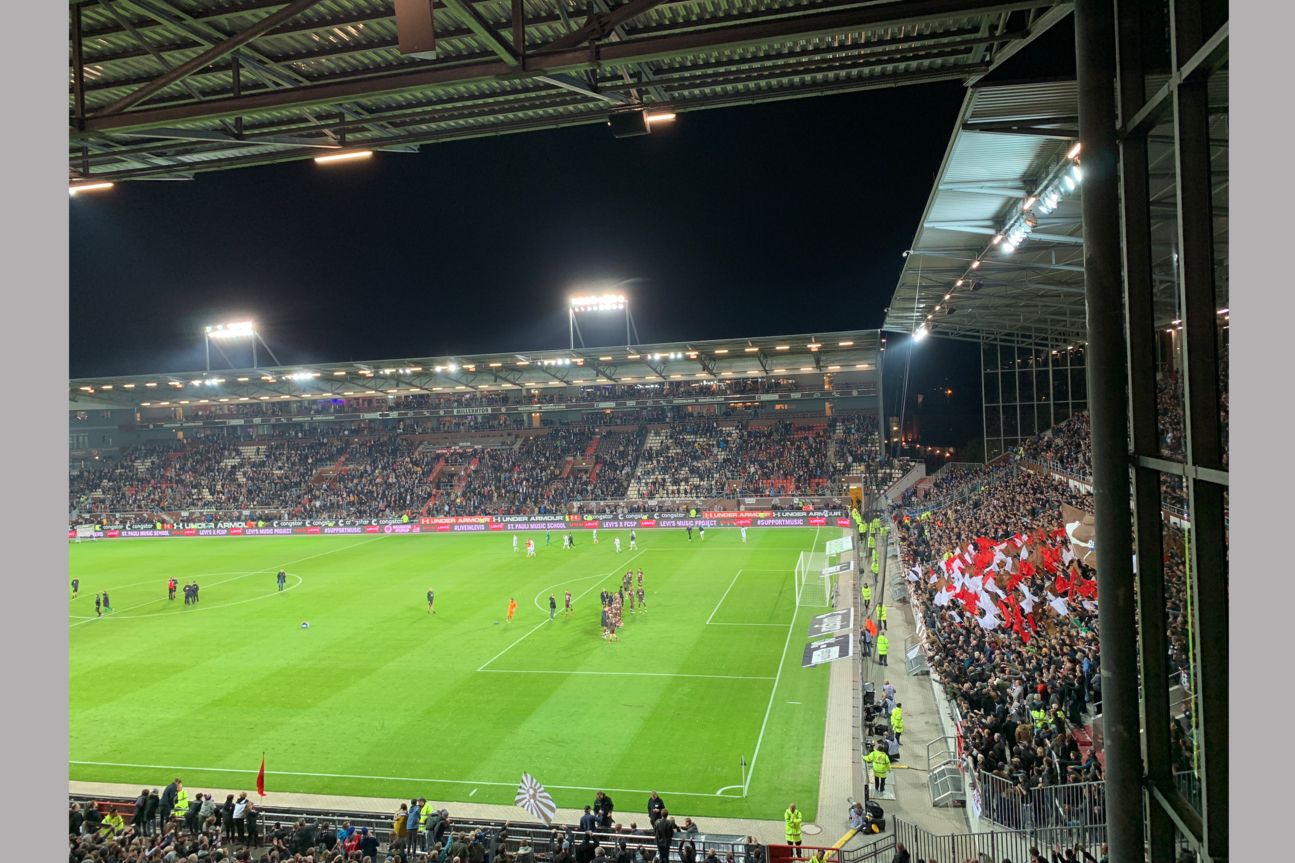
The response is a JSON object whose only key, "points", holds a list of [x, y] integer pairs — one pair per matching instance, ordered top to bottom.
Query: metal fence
{"points": [[1076, 804], [1014, 846]]}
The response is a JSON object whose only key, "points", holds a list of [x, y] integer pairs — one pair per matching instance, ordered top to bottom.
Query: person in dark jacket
{"points": [[168, 799], [154, 804], [603, 807], [654, 807], [193, 816], [250, 817], [227, 818], [75, 819], [91, 819], [139, 820], [588, 821], [664, 830], [368, 844], [585, 850], [901, 854]]}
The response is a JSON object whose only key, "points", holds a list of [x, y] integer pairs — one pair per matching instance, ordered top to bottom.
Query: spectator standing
{"points": [[168, 798], [603, 807], [654, 807], [240, 810], [251, 816], [150, 819], [140, 820], [588, 821], [411, 824], [664, 829]]}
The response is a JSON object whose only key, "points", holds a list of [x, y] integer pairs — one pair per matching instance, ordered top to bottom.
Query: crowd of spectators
{"points": [[388, 469], [998, 681], [171, 826]]}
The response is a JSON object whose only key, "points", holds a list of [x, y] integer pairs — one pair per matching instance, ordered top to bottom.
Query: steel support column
{"points": [[1140, 311], [1107, 405], [1202, 433]]}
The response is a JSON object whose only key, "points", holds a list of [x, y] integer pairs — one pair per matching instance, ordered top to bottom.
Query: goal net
{"points": [[813, 589]]}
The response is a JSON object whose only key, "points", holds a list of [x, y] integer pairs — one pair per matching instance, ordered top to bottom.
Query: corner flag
{"points": [[260, 777]]}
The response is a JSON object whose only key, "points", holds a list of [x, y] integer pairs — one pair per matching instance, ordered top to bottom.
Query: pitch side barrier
{"points": [[467, 524]]}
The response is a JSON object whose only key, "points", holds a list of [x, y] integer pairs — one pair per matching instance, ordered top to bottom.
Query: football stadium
{"points": [[564, 593]]}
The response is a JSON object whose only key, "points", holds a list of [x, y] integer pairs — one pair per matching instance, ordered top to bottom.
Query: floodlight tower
{"points": [[608, 300], [237, 331]]}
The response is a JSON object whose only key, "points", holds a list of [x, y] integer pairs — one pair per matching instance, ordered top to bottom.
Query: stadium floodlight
{"points": [[664, 117], [352, 156], [77, 188], [607, 300], [239, 330], [234, 332], [921, 333]]}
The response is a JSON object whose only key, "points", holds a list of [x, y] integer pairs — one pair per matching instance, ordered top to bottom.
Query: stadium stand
{"points": [[368, 470], [1025, 701]]}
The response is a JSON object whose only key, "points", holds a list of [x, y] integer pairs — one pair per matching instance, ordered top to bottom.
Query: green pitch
{"points": [[379, 698]]}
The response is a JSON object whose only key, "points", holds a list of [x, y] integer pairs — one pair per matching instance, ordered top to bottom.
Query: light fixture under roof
{"points": [[352, 156]]}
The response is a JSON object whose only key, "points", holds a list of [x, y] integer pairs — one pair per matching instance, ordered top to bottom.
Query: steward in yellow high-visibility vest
{"points": [[872, 541], [876, 566], [867, 595], [881, 615], [883, 647], [1040, 718], [897, 720], [880, 763], [181, 805], [791, 820]]}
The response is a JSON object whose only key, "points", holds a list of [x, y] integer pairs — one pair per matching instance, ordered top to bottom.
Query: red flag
{"points": [[260, 778]]}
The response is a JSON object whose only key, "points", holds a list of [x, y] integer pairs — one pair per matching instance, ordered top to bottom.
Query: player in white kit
{"points": [[744, 534], [514, 542], [617, 542]]}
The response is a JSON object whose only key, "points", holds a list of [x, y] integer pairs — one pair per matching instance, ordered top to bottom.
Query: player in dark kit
{"points": [[689, 529], [282, 579], [76, 585], [170, 588], [195, 593], [431, 601], [107, 606], [553, 606], [98, 612]]}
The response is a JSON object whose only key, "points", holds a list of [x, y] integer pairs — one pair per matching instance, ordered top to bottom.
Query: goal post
{"points": [[813, 589]]}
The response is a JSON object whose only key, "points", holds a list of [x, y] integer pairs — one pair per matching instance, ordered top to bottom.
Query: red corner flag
{"points": [[260, 778]]}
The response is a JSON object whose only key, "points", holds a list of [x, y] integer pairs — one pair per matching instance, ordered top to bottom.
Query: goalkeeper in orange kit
{"points": [[512, 609]]}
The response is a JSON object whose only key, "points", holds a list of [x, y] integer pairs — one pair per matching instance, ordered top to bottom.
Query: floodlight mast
{"points": [[608, 301], [236, 331]]}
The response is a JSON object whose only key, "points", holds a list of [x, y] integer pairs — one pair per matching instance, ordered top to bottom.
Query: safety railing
{"points": [[943, 775], [1015, 846]]}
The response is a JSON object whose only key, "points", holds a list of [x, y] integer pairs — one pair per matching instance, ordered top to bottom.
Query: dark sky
{"points": [[759, 220]]}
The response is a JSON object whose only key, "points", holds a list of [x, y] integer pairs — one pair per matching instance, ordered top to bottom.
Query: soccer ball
{"points": [[305, 624]]}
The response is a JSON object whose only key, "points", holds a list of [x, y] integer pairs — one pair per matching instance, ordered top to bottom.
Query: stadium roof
{"points": [[166, 88], [1014, 141], [853, 353]]}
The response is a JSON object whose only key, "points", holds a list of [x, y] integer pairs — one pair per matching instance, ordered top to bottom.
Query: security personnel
{"points": [[872, 541], [876, 567], [867, 595], [881, 616], [883, 647], [1040, 717], [897, 721], [880, 762], [181, 804], [791, 820]]}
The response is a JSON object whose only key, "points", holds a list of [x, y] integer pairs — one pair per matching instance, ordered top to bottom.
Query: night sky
{"points": [[759, 220]]}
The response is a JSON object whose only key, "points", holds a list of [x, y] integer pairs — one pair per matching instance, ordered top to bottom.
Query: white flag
{"points": [[1058, 604], [532, 797]]}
